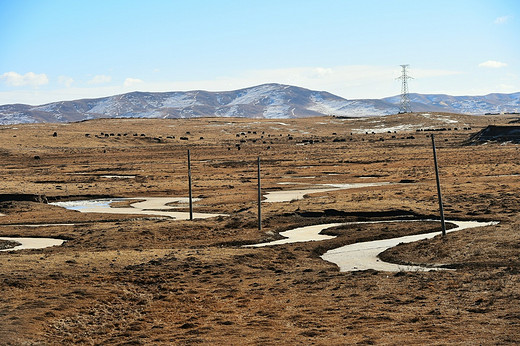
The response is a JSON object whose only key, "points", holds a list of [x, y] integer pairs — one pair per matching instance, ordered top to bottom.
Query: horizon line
{"points": [[250, 87]]}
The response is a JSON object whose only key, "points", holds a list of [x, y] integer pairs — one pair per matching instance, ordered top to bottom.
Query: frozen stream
{"points": [[291, 195], [142, 206], [156, 206], [301, 234], [32, 243], [358, 256], [363, 256]]}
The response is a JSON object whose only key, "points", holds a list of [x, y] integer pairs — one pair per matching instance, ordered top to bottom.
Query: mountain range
{"points": [[263, 101]]}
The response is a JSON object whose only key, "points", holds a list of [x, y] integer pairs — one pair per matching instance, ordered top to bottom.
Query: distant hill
{"points": [[263, 101], [477, 105]]}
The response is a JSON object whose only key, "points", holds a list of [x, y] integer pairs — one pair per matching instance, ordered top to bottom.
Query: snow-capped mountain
{"points": [[263, 101], [491, 103]]}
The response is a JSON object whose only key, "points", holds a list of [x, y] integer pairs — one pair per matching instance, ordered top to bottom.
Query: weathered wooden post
{"points": [[189, 188], [259, 198], [441, 207]]}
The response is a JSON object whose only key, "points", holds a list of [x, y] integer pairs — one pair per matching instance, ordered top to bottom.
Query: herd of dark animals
{"points": [[492, 133], [510, 133]]}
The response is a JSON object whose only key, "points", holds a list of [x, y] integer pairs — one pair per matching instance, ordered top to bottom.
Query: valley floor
{"points": [[151, 279]]}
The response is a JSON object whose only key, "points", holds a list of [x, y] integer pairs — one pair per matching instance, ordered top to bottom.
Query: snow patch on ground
{"points": [[255, 95], [181, 100], [51, 107], [106, 107], [354, 108], [277, 111], [227, 112], [16, 118], [443, 118], [383, 129]]}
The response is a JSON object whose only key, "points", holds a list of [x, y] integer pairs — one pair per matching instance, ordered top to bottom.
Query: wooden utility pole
{"points": [[189, 188], [259, 198], [441, 207]]}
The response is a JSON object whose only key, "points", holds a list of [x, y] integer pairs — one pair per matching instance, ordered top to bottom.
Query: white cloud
{"points": [[502, 20], [492, 64], [424, 73], [30, 78], [100, 79], [65, 80], [352, 81], [130, 82], [507, 88], [38, 96]]}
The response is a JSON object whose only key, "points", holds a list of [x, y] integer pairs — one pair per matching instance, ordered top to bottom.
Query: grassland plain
{"points": [[133, 279]]}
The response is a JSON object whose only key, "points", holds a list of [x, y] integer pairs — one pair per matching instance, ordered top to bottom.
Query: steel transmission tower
{"points": [[404, 105]]}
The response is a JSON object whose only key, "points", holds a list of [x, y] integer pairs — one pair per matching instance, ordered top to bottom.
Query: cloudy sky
{"points": [[63, 50]]}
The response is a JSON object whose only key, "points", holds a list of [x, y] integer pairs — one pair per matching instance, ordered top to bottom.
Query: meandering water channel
{"points": [[292, 195], [157, 206], [301, 234], [364, 255], [358, 256]]}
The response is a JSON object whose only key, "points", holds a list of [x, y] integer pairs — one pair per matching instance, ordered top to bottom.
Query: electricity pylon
{"points": [[404, 105]]}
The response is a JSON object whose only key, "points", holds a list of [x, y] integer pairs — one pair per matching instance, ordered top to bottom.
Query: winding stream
{"points": [[292, 195], [142, 206], [156, 206], [301, 234], [364, 255], [358, 256]]}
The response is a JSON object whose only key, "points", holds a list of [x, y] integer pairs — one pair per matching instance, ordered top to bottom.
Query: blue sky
{"points": [[65, 50]]}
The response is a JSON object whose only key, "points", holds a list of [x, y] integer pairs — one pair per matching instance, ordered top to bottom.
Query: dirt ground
{"points": [[129, 279]]}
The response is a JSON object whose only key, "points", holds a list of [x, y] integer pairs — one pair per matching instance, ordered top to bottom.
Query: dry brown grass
{"points": [[125, 279]]}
